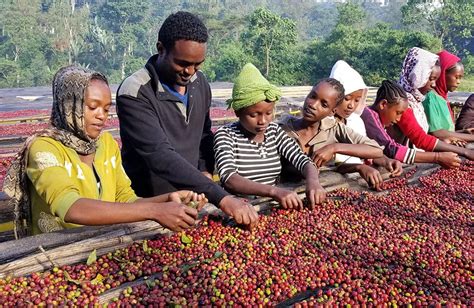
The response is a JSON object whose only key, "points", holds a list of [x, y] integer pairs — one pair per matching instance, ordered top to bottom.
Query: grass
{"points": [[467, 84]]}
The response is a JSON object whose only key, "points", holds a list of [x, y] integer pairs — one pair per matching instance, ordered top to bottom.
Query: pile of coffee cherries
{"points": [[411, 246]]}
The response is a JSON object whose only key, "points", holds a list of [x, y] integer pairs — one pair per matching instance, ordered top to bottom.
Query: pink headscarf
{"points": [[447, 60]]}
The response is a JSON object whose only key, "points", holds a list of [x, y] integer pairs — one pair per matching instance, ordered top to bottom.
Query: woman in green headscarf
{"points": [[248, 151], [71, 174]]}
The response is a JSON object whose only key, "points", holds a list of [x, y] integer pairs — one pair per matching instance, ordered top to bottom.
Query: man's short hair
{"points": [[182, 26]]}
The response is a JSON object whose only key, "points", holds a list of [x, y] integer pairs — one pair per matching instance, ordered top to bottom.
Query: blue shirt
{"points": [[181, 97]]}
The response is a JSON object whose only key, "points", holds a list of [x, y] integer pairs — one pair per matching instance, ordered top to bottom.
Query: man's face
{"points": [[178, 64]]}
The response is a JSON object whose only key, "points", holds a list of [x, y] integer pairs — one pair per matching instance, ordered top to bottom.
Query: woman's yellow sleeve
{"points": [[50, 178]]}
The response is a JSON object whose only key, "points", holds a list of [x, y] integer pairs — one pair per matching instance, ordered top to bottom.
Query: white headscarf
{"points": [[351, 80]]}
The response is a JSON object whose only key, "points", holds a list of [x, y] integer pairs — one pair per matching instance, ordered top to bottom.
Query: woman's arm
{"points": [[413, 131], [445, 134], [442, 146], [445, 159], [238, 184], [315, 193], [172, 215]]}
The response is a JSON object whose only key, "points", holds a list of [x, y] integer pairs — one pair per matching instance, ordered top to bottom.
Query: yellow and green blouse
{"points": [[58, 178]]}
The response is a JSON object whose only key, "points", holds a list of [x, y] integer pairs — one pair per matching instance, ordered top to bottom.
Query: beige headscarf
{"points": [[67, 127]]}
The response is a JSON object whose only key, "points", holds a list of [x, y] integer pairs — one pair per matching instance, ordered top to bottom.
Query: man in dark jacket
{"points": [[165, 125]]}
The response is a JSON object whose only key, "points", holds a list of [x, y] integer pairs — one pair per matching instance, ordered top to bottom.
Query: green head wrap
{"points": [[250, 88]]}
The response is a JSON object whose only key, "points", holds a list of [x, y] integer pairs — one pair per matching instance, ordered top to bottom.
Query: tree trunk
{"points": [[17, 55], [267, 56], [122, 67]]}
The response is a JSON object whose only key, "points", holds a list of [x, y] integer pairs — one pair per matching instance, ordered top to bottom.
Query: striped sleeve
{"points": [[376, 131], [288, 148], [224, 154]]}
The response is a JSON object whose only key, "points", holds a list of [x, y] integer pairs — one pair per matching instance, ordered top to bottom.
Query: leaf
{"points": [[193, 204], [186, 239], [145, 246], [217, 254], [92, 257], [187, 267], [68, 278], [98, 279], [150, 283]]}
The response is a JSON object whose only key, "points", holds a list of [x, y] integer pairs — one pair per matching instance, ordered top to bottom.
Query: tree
{"points": [[452, 21], [128, 22], [69, 25], [269, 34], [23, 40], [375, 52], [227, 64]]}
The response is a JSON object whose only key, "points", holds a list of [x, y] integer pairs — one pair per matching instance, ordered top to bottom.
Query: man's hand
{"points": [[324, 154], [207, 175], [371, 176], [315, 194], [287, 198], [242, 212], [174, 216]]}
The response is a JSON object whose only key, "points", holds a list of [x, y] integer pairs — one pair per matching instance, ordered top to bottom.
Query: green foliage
{"points": [[453, 22], [267, 35], [293, 43], [376, 52], [227, 64]]}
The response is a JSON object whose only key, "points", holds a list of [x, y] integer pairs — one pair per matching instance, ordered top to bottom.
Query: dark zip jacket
{"points": [[165, 145]]}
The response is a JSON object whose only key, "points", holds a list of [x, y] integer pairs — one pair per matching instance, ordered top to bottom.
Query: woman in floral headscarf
{"points": [[419, 73], [71, 174]]}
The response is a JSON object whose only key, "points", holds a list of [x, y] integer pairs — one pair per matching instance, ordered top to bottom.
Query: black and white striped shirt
{"points": [[259, 162]]}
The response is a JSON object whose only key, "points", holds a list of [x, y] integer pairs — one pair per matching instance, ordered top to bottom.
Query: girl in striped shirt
{"points": [[389, 106], [248, 152]]}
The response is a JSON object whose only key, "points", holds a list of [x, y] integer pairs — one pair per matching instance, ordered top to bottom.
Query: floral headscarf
{"points": [[416, 71], [67, 127]]}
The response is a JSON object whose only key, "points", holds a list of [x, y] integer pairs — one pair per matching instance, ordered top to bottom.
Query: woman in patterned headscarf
{"points": [[420, 70], [418, 78], [71, 173]]}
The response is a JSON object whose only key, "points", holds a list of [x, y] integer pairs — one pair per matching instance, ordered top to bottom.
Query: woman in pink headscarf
{"points": [[452, 72], [436, 105]]}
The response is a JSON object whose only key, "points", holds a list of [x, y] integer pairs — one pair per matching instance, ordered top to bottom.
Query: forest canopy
{"points": [[291, 42]]}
